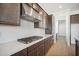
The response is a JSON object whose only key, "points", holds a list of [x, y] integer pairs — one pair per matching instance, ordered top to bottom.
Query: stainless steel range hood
{"points": [[29, 18]]}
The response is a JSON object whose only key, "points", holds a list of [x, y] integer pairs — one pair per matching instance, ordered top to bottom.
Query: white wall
{"points": [[11, 33]]}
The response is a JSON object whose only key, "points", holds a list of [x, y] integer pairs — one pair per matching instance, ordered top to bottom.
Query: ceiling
{"points": [[50, 8]]}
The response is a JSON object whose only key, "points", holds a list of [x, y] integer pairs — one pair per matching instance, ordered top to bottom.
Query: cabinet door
{"points": [[30, 4], [36, 7], [27, 9], [10, 13], [35, 14], [41, 17], [74, 19], [48, 29], [50, 41], [46, 45], [77, 47], [36, 49], [40, 49], [32, 50], [21, 53]]}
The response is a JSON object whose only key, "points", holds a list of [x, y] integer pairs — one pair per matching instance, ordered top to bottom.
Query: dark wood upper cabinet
{"points": [[30, 4], [36, 7], [10, 13], [74, 19], [48, 29]]}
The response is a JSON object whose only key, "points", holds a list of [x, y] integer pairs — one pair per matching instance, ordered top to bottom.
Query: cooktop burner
{"points": [[29, 39]]}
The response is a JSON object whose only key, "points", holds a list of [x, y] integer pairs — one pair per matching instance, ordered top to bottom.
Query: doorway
{"points": [[61, 29]]}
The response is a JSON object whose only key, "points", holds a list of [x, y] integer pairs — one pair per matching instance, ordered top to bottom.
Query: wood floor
{"points": [[60, 48]]}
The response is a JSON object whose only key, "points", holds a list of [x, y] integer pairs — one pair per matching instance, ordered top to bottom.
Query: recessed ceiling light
{"points": [[60, 6]]}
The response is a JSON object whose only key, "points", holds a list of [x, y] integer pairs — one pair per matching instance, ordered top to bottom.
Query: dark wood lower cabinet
{"points": [[48, 43], [77, 48], [38, 49], [32, 52]]}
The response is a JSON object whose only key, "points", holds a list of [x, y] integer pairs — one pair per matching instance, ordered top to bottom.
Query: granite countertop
{"points": [[10, 48]]}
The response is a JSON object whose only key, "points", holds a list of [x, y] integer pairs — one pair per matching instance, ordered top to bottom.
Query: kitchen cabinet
{"points": [[30, 4], [36, 7], [27, 9], [10, 13], [35, 14], [41, 18], [74, 19], [48, 27], [48, 43], [77, 47], [36, 49], [40, 49], [32, 50], [21, 53]]}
